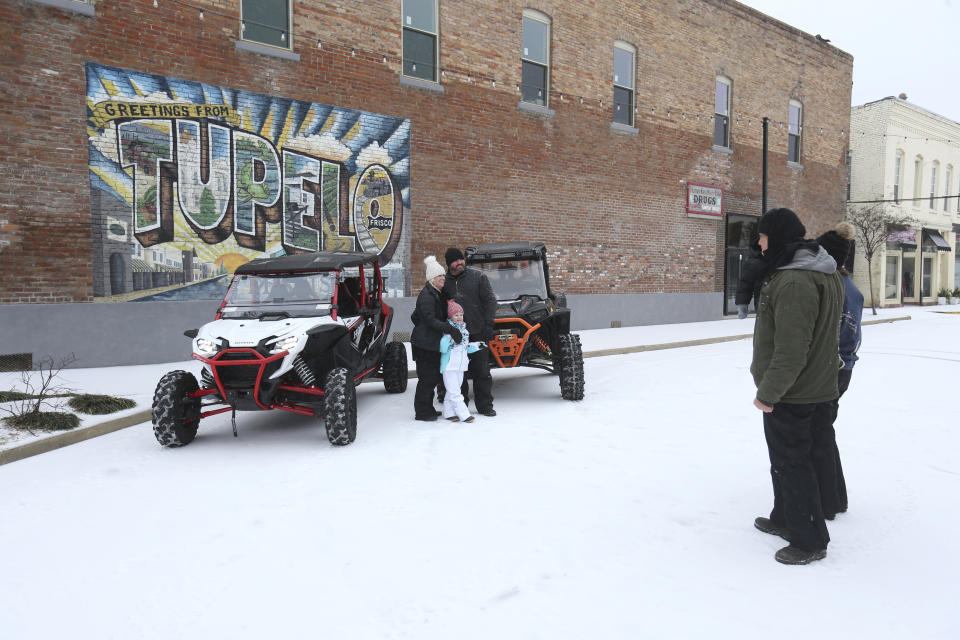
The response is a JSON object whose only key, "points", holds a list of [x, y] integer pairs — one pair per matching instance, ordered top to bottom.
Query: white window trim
{"points": [[533, 14], [288, 34], [436, 43], [632, 50], [727, 81], [898, 162], [934, 175], [917, 180], [947, 184]]}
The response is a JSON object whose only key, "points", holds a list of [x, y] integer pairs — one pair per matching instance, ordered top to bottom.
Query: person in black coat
{"points": [[752, 270], [472, 291], [429, 324]]}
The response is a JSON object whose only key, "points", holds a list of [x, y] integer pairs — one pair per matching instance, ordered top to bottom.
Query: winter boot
{"points": [[453, 419], [470, 419], [765, 525], [793, 555]]}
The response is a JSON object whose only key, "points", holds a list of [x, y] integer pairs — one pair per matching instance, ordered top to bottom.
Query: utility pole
{"points": [[763, 202]]}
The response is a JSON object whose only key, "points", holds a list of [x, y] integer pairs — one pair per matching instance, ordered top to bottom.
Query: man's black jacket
{"points": [[472, 291]]}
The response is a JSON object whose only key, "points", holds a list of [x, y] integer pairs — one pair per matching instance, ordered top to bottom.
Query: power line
{"points": [[899, 200]]}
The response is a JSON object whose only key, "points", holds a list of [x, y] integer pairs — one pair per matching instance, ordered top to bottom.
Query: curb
{"points": [[85, 433], [72, 437]]}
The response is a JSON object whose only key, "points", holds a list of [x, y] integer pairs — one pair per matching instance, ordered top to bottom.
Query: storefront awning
{"points": [[934, 237], [908, 238], [139, 266]]}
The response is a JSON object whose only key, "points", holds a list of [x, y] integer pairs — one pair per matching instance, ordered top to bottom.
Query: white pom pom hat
{"points": [[434, 268]]}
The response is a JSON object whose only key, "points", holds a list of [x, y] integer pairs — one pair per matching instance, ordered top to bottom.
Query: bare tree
{"points": [[872, 223], [40, 385]]}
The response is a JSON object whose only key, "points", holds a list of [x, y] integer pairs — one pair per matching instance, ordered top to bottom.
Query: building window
{"points": [[266, 22], [420, 39], [624, 56], [535, 74], [721, 110], [794, 132], [848, 156], [934, 170], [897, 176], [917, 180], [947, 182]]}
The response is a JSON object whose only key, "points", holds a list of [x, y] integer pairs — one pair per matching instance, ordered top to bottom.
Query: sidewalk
{"points": [[138, 382]]}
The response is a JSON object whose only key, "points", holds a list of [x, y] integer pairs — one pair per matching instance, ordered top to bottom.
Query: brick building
{"points": [[626, 136]]}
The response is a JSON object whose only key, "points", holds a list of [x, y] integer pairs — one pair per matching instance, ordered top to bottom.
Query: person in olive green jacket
{"points": [[795, 366]]}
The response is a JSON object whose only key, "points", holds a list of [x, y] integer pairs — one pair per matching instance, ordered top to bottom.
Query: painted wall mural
{"points": [[189, 181]]}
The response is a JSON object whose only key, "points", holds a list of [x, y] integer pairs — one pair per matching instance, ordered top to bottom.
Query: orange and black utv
{"points": [[532, 321]]}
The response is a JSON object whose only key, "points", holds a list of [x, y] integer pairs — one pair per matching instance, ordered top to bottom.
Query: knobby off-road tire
{"points": [[395, 367], [571, 367], [340, 410], [176, 415]]}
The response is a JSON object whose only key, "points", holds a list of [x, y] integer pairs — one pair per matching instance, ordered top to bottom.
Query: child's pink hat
{"points": [[453, 308]]}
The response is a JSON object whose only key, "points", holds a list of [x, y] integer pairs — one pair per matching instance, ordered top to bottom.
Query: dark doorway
{"points": [[741, 233], [118, 274]]}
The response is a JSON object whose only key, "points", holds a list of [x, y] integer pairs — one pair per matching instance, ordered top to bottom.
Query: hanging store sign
{"points": [[704, 199]]}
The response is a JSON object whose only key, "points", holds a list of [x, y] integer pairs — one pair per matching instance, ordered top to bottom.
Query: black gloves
{"points": [[453, 332]]}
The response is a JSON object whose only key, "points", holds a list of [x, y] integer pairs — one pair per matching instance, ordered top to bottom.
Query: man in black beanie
{"points": [[472, 291], [795, 365]]}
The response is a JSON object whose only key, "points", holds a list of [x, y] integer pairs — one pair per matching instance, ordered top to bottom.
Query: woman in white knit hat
{"points": [[429, 325]]}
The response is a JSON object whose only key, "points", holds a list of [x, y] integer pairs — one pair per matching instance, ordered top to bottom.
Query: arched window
{"points": [[420, 39], [624, 65], [535, 72], [721, 112], [795, 131], [934, 174], [897, 175], [917, 180], [947, 185]]}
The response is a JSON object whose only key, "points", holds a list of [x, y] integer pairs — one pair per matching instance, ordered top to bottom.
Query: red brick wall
{"points": [[609, 206]]}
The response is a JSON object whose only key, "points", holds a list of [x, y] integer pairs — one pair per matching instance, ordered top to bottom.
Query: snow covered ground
{"points": [[628, 515]]}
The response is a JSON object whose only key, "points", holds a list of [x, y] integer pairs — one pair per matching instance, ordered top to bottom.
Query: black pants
{"points": [[479, 372], [428, 377], [794, 443], [833, 486]]}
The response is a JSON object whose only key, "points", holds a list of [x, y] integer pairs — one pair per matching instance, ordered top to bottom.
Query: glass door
{"points": [[741, 234], [908, 281], [891, 292]]}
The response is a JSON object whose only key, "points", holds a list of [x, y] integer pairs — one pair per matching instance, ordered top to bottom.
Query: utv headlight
{"points": [[539, 315], [285, 344], [206, 346]]}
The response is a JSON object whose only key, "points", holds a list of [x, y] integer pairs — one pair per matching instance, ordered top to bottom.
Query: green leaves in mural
{"points": [[147, 208], [208, 209]]}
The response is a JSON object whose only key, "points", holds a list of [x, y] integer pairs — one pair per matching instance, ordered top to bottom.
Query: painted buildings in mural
{"points": [[189, 181]]}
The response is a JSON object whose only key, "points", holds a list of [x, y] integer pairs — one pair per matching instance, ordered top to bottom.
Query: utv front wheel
{"points": [[571, 367], [395, 368], [340, 399], [176, 415]]}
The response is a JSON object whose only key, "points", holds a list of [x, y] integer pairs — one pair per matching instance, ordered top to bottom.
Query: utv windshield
{"points": [[511, 279], [292, 295]]}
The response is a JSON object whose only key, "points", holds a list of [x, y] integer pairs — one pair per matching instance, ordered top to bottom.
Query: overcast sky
{"points": [[910, 47]]}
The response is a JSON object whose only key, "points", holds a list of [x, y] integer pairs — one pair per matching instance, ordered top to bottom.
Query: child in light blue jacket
{"points": [[453, 362]]}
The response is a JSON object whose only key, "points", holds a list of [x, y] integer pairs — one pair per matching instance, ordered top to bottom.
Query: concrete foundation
{"points": [[129, 333]]}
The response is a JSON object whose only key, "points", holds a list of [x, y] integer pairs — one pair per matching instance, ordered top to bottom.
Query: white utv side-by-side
{"points": [[295, 333]]}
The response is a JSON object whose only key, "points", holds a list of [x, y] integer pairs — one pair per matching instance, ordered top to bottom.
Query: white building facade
{"points": [[907, 160]]}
